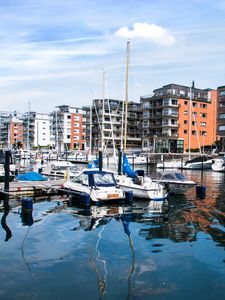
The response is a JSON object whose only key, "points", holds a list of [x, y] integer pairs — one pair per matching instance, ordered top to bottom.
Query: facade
{"points": [[221, 116], [177, 118], [104, 125], [67, 129], [11, 130], [36, 130]]}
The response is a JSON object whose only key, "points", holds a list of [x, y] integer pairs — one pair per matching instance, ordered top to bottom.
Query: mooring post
{"points": [[100, 160], [6, 182]]}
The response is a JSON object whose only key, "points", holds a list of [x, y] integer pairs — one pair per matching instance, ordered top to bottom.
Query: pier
{"points": [[32, 188]]}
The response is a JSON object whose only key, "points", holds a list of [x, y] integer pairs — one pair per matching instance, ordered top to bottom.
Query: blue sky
{"points": [[54, 52]]}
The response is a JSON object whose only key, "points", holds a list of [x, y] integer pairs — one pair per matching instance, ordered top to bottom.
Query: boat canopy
{"points": [[30, 176]]}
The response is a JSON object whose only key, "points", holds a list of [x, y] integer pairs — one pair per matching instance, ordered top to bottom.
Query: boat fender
{"points": [[200, 191], [129, 196], [85, 199]]}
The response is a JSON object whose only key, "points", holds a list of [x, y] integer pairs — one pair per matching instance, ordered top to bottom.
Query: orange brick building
{"points": [[198, 117], [177, 118]]}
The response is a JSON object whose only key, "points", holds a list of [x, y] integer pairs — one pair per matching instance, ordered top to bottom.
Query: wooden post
{"points": [[6, 182]]}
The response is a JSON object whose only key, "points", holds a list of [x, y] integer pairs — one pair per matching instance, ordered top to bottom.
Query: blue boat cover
{"points": [[127, 168], [31, 176]]}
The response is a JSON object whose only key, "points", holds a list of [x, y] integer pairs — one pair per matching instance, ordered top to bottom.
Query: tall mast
{"points": [[126, 97], [103, 108], [190, 122], [28, 129], [56, 131], [90, 142]]}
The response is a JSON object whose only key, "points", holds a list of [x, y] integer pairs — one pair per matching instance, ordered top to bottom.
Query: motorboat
{"points": [[199, 163], [172, 164], [218, 165], [61, 169], [175, 181], [98, 186], [142, 186]]}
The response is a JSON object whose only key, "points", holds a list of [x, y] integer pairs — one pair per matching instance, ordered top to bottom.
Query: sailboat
{"points": [[142, 187]]}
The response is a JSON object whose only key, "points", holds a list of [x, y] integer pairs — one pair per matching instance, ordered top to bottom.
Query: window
{"points": [[222, 93], [174, 101], [185, 102], [194, 104], [203, 105], [186, 112], [145, 114], [194, 114], [203, 115], [221, 116], [185, 122], [145, 123], [194, 123], [203, 124], [222, 127], [185, 131], [194, 132], [204, 133], [145, 144]]}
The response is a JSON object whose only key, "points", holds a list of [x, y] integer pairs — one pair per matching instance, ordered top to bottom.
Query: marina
{"points": [[117, 251]]}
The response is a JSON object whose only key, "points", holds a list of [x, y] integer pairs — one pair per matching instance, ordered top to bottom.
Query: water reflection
{"points": [[98, 217], [5, 226]]}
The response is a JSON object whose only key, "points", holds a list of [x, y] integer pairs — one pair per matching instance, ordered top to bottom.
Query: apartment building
{"points": [[221, 117], [177, 118], [105, 124], [67, 129], [11, 130], [36, 130]]}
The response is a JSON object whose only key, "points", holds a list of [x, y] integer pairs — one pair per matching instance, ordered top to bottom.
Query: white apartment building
{"points": [[42, 130]]}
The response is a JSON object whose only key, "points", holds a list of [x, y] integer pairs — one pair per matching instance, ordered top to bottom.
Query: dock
{"points": [[32, 188]]}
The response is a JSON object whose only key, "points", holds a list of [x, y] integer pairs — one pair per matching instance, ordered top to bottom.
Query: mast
{"points": [[126, 97], [103, 108], [190, 123], [28, 129], [56, 132], [90, 145]]}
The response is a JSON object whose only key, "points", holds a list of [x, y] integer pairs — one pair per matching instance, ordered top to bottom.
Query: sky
{"points": [[55, 52]]}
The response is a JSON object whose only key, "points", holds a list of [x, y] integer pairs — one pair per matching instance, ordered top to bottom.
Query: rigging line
{"points": [[96, 111], [110, 117], [199, 146]]}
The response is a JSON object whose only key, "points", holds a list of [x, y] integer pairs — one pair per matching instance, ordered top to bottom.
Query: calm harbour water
{"points": [[117, 252]]}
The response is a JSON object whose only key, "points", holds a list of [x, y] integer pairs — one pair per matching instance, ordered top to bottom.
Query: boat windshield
{"points": [[180, 176], [82, 178], [104, 179]]}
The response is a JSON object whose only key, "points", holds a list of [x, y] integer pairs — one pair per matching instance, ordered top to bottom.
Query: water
{"points": [[117, 252]]}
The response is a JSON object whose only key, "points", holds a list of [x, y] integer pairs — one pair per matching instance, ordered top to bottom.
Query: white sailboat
{"points": [[141, 186]]}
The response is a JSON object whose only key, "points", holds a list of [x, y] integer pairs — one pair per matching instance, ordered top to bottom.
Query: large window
{"points": [[222, 93], [222, 116], [222, 128]]}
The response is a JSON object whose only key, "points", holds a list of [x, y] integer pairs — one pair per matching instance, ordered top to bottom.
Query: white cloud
{"points": [[154, 33]]}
